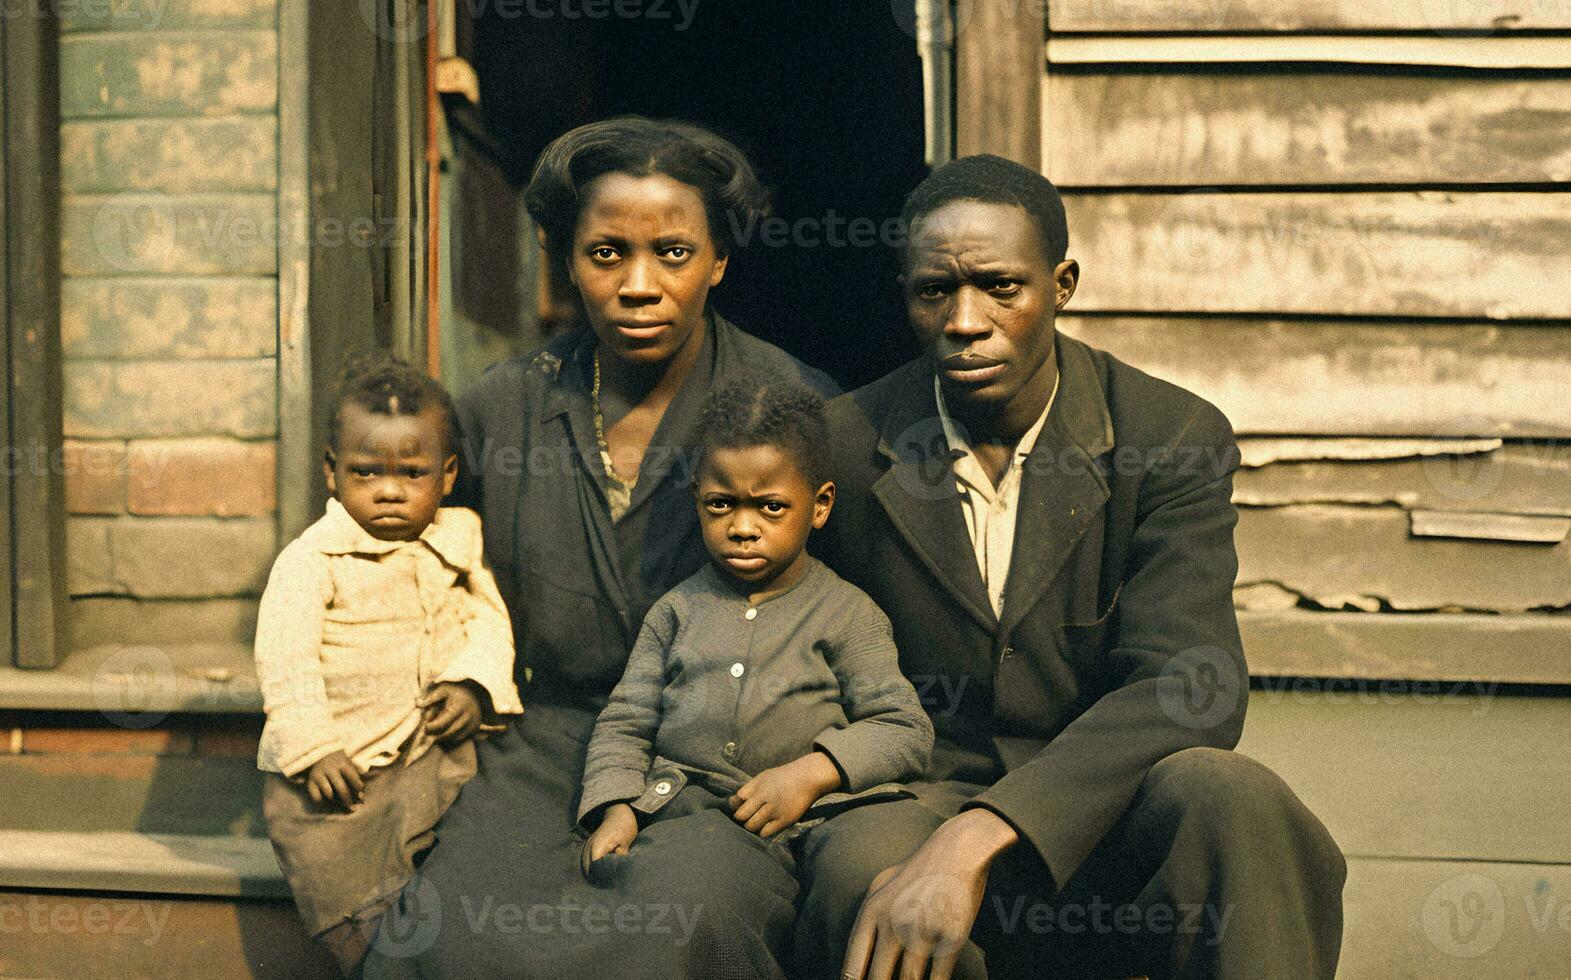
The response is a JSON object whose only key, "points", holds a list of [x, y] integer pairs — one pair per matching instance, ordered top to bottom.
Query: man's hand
{"points": [[452, 712], [334, 779], [776, 798], [616, 833], [918, 915]]}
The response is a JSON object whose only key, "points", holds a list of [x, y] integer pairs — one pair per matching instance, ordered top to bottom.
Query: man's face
{"points": [[981, 294], [391, 471]]}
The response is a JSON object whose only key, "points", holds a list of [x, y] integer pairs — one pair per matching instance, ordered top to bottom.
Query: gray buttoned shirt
{"points": [[719, 689]]}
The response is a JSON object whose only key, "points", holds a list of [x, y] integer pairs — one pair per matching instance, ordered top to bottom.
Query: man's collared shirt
{"points": [[989, 511]]}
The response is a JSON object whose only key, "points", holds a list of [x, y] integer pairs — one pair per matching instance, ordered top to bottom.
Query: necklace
{"points": [[594, 396], [600, 439]]}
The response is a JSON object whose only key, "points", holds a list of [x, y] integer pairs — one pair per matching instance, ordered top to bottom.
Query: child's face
{"points": [[391, 471], [756, 509]]}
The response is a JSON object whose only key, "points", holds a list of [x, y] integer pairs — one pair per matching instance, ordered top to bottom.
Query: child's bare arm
{"points": [[776, 798]]}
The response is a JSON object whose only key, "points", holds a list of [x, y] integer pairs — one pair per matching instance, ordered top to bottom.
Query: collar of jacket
{"points": [[1062, 490], [453, 536]]}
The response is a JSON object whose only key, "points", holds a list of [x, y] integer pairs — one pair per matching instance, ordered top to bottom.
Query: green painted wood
{"points": [[156, 15], [168, 73], [236, 153], [154, 234], [169, 318]]}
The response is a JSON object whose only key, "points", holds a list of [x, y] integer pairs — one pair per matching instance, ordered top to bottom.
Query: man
{"points": [[1051, 532]]}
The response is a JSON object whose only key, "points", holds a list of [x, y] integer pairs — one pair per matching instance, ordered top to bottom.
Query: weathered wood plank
{"points": [[154, 15], [1307, 15], [1509, 52], [168, 74], [998, 80], [1209, 128], [171, 155], [165, 234], [1494, 254], [169, 317], [1311, 378], [107, 399], [297, 439], [1257, 451], [1524, 478], [35, 504], [1485, 526], [1364, 556], [1525, 649], [138, 681], [1403, 770], [1448, 920], [156, 938]]}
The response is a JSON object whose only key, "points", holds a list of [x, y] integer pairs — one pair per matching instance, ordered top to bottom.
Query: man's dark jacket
{"points": [[1118, 644]]}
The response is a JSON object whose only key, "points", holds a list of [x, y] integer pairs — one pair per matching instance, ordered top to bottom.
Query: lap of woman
{"points": [[502, 895]]}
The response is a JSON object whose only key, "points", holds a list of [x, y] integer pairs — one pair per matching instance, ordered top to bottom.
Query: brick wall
{"points": [[169, 315]]}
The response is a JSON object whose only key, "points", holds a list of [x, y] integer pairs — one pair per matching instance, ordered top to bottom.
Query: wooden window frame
{"points": [[33, 533]]}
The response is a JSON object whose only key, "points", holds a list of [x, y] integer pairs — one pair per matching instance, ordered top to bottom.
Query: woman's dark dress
{"points": [[501, 894]]}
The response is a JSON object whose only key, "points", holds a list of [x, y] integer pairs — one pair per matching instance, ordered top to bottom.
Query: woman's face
{"points": [[644, 262]]}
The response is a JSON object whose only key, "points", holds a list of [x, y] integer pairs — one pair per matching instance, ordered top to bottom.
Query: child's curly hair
{"points": [[381, 383], [756, 411]]}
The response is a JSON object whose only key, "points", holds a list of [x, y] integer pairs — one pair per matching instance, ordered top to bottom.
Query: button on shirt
{"points": [[990, 511]]}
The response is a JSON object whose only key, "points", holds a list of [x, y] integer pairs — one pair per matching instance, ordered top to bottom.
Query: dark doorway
{"points": [[825, 96]]}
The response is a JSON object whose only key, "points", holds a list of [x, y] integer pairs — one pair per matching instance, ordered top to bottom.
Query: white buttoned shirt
{"points": [[990, 511]]}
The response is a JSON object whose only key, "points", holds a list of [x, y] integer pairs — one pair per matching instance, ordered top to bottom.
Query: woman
{"points": [[577, 458]]}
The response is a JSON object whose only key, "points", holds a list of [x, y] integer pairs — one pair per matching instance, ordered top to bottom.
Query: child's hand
{"points": [[452, 712], [334, 779], [776, 798], [618, 828]]}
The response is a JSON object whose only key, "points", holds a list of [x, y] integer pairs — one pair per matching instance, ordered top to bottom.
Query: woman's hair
{"points": [[639, 147], [381, 383], [755, 411]]}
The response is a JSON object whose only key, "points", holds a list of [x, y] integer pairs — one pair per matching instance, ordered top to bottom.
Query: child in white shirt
{"points": [[382, 647]]}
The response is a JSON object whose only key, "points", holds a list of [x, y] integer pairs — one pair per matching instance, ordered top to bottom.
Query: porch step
{"points": [[1450, 806], [131, 862]]}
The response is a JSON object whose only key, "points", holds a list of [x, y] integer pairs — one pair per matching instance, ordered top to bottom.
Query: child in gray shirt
{"points": [[764, 684]]}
